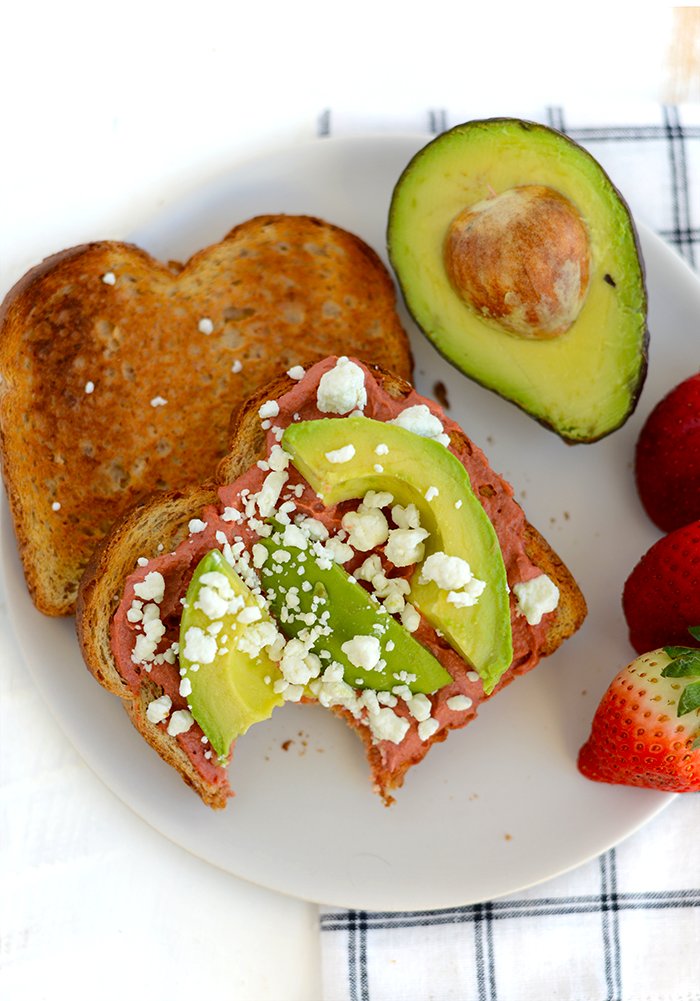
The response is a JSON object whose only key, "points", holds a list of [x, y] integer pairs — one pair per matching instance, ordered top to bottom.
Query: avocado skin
{"points": [[573, 424]]}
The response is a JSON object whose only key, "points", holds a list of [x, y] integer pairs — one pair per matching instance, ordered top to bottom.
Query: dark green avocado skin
{"points": [[467, 160]]}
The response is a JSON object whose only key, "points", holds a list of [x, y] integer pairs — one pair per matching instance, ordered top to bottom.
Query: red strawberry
{"points": [[667, 459], [661, 597], [646, 730]]}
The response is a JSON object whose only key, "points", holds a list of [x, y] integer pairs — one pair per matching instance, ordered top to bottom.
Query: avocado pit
{"points": [[521, 259]]}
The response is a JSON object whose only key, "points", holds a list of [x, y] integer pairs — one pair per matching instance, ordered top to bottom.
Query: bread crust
{"points": [[110, 390], [161, 523]]}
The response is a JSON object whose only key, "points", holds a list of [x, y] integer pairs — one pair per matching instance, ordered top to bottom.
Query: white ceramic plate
{"points": [[500, 805]]}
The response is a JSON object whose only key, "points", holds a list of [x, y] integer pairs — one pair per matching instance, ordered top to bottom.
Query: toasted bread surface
{"points": [[119, 373], [161, 523]]}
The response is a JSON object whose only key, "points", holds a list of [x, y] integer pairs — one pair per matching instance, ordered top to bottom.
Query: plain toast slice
{"points": [[118, 373]]}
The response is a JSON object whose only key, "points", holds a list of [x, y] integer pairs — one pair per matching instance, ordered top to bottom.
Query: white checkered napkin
{"points": [[624, 927]]}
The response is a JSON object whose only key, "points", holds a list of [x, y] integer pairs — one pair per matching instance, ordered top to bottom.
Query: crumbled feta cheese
{"points": [[109, 278], [205, 326], [237, 365], [296, 372], [89, 387], [342, 388], [158, 401], [269, 409], [420, 421], [381, 449], [339, 455], [278, 458], [270, 492], [431, 493], [56, 506], [406, 517], [196, 525], [368, 528], [405, 546], [337, 551], [260, 555], [448, 572], [152, 587], [469, 595], [536, 597], [248, 614], [410, 617], [257, 637], [199, 646], [363, 651], [472, 676], [185, 687], [458, 703], [419, 707], [158, 710], [180, 722], [386, 725], [427, 728]]}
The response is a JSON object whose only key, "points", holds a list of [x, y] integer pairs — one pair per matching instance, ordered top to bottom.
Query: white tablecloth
{"points": [[110, 111]]}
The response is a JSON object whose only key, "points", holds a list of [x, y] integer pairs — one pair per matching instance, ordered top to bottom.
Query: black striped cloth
{"points": [[625, 926]]}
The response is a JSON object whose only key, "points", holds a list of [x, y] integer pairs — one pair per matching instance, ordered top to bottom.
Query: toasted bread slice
{"points": [[119, 373], [161, 523]]}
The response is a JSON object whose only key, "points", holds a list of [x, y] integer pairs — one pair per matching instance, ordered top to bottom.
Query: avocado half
{"points": [[582, 383]]}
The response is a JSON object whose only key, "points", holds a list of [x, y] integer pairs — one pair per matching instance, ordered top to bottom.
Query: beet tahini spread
{"points": [[326, 498]]}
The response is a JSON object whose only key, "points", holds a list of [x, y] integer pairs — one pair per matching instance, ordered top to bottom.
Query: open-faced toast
{"points": [[118, 373], [168, 534]]}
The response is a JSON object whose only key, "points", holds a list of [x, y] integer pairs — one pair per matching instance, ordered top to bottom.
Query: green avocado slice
{"points": [[583, 383], [423, 472], [308, 597], [231, 679]]}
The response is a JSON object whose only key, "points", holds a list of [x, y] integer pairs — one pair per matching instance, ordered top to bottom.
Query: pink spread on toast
{"points": [[300, 403]]}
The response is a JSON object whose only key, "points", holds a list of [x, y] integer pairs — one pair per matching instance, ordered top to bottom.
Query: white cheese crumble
{"points": [[109, 278], [205, 326], [237, 365], [296, 372], [89, 387], [342, 388], [158, 401], [269, 409], [419, 420], [381, 449], [339, 455], [431, 493], [56, 506], [196, 525], [367, 528], [405, 546], [452, 574], [152, 587], [536, 597], [410, 617], [199, 646], [363, 651], [458, 703], [159, 709], [180, 722], [427, 728]]}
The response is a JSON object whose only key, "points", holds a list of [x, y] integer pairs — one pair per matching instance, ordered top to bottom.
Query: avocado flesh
{"points": [[582, 384], [343, 609], [480, 633], [230, 693]]}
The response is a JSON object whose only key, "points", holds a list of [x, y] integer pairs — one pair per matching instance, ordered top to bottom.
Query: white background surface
{"points": [[110, 112]]}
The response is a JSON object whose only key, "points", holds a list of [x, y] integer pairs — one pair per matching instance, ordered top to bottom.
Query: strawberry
{"points": [[667, 458], [661, 597], [640, 734]]}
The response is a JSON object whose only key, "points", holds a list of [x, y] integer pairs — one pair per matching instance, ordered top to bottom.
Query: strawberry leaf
{"points": [[685, 663], [690, 699]]}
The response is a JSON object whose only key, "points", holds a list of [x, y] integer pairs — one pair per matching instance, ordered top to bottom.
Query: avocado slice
{"points": [[474, 219], [425, 473], [305, 596], [228, 676]]}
